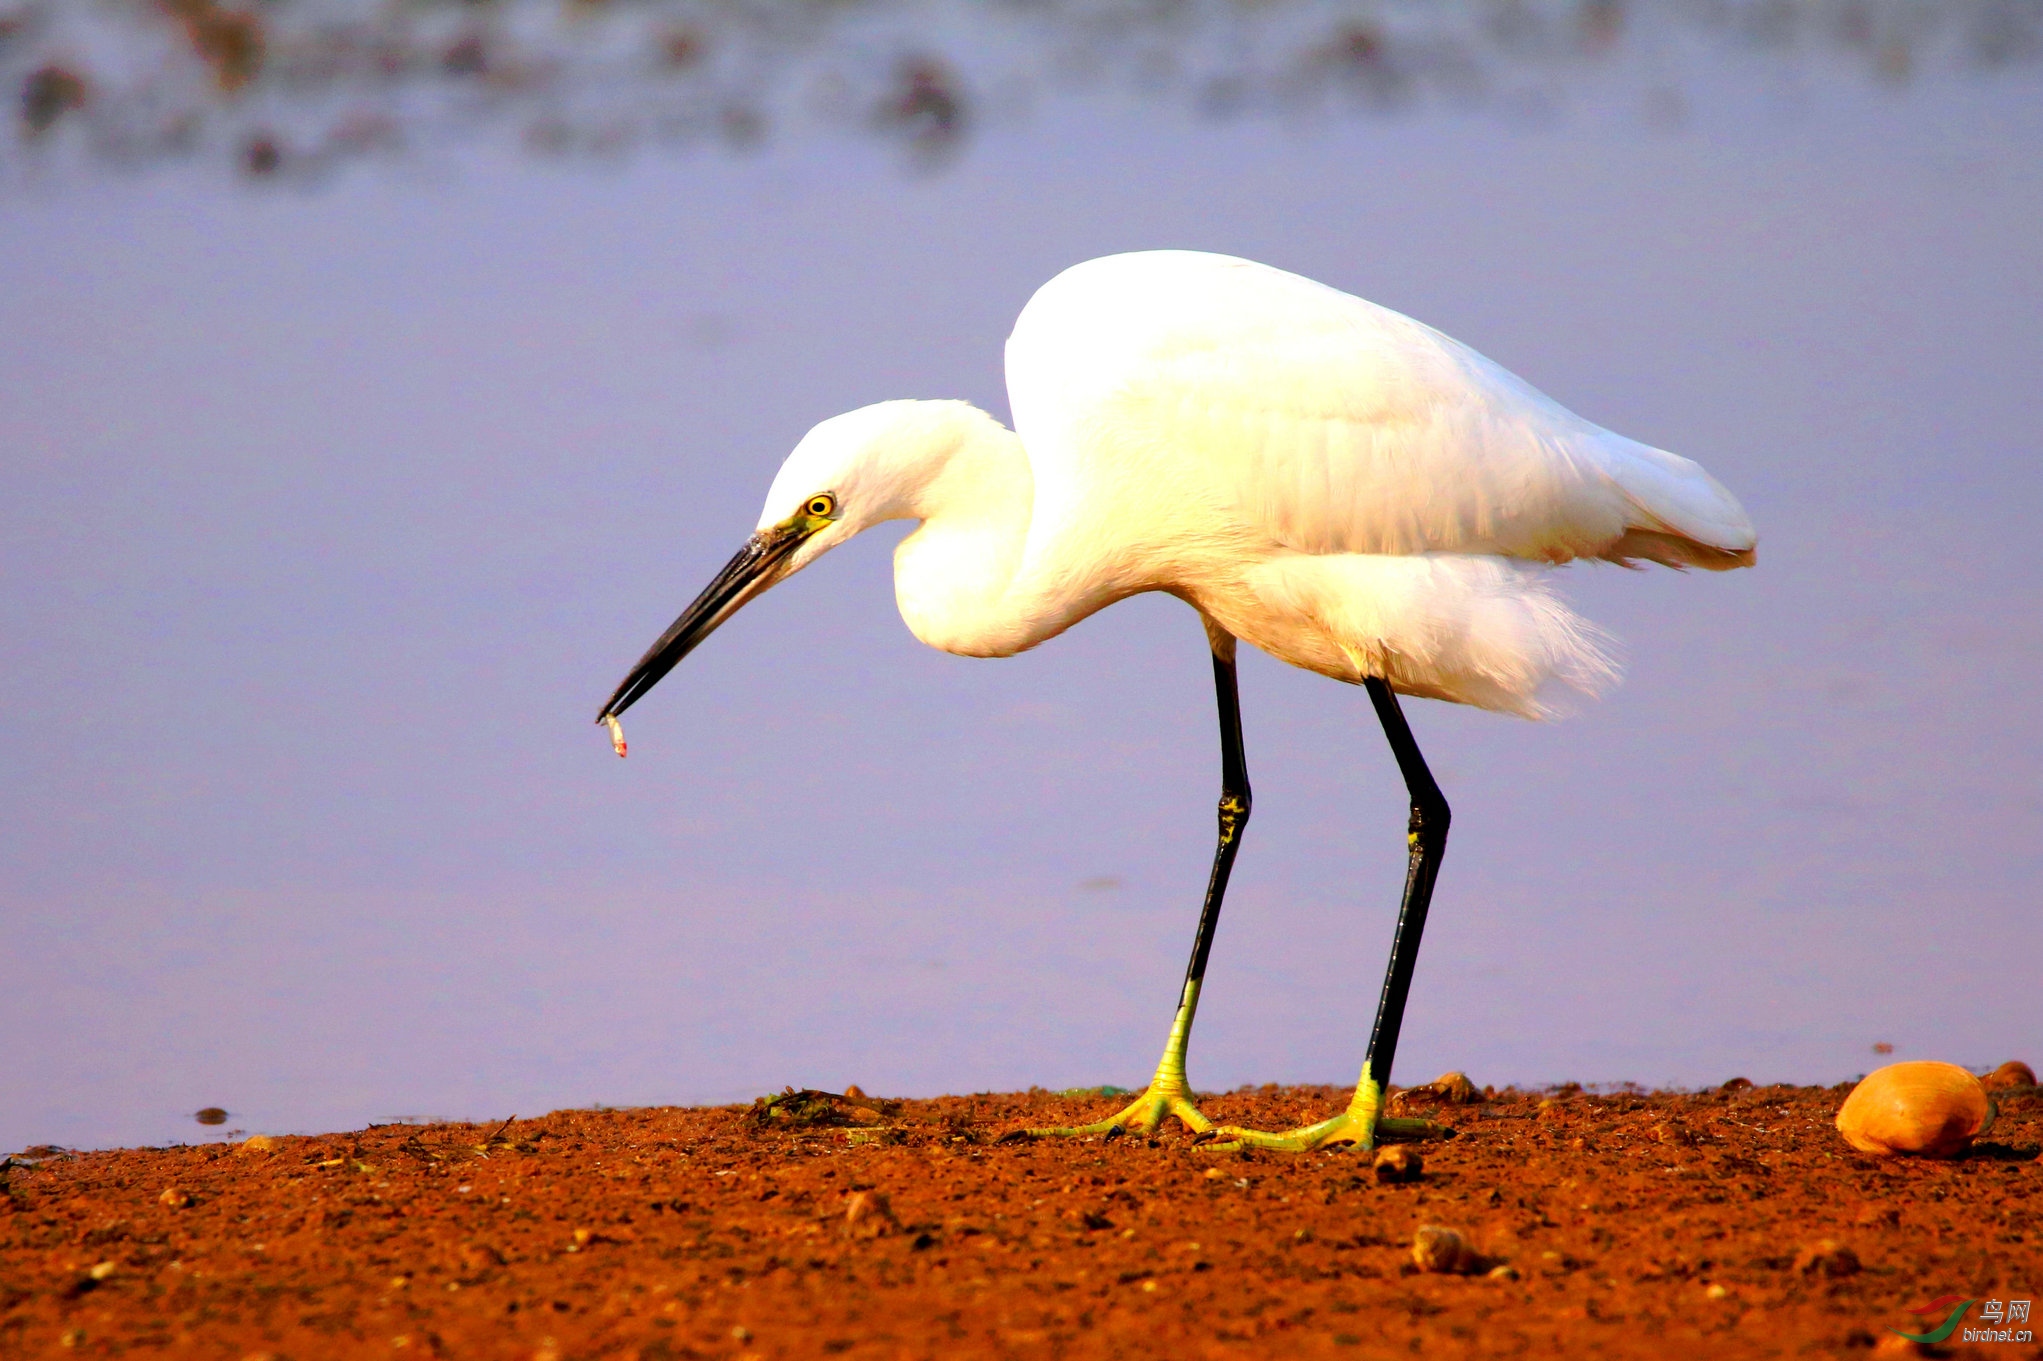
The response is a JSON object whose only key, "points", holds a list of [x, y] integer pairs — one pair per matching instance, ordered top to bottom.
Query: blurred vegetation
{"points": [[295, 88]]}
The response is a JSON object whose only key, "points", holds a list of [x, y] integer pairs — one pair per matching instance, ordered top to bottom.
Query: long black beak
{"points": [[756, 567]]}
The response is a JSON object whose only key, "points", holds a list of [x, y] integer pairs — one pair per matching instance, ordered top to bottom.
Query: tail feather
{"points": [[1681, 516], [1676, 550]]}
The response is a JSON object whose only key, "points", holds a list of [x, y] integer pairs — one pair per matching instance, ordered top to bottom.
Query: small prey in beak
{"points": [[759, 564]]}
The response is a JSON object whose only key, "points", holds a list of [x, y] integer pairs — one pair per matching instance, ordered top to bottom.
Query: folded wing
{"points": [[1327, 424]]}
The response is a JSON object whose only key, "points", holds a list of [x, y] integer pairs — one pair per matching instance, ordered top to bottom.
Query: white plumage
{"points": [[1347, 489]]}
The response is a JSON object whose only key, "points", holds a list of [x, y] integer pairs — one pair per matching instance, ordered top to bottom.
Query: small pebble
{"points": [[854, 1093], [258, 1143], [1397, 1163], [1214, 1174], [174, 1198], [869, 1214], [1439, 1249], [480, 1256], [1825, 1257], [101, 1271], [1718, 1292], [741, 1334]]}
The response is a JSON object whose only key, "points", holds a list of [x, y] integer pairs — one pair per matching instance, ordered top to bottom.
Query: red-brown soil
{"points": [[1662, 1224]]}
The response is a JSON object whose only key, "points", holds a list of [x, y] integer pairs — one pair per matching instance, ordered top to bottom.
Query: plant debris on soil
{"points": [[1728, 1222]]}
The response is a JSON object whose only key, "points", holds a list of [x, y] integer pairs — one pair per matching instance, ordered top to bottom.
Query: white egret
{"points": [[1347, 489]]}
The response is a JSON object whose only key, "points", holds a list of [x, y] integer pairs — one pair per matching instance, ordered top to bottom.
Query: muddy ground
{"points": [[1631, 1224]]}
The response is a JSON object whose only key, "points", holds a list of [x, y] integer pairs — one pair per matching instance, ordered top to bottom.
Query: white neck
{"points": [[954, 577], [971, 579]]}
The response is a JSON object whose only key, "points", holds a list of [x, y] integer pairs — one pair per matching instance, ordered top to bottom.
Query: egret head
{"points": [[849, 473]]}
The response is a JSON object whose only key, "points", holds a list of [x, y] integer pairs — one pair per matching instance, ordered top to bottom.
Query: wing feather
{"points": [[1326, 424]]}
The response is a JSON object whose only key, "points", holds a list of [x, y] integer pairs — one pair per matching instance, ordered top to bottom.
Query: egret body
{"points": [[1347, 489]]}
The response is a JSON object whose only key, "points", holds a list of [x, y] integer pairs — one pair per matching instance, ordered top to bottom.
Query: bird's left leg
{"points": [[1169, 1092], [1363, 1122]]}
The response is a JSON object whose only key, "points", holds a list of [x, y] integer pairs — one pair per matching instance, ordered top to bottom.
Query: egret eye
{"points": [[823, 506]]}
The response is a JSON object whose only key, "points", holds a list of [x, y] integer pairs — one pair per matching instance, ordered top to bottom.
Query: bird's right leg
{"points": [[1169, 1093], [1363, 1123]]}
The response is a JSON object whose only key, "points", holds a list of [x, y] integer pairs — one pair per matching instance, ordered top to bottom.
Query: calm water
{"points": [[331, 507]]}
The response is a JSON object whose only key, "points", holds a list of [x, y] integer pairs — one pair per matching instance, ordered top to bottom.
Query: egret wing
{"points": [[1328, 424]]}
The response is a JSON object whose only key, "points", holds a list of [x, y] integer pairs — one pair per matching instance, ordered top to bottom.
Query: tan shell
{"points": [[2011, 1076], [1455, 1089], [1932, 1109]]}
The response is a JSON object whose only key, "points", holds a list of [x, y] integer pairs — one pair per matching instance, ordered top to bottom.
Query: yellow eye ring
{"points": [[822, 505]]}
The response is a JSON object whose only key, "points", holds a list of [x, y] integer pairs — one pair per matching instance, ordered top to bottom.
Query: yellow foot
{"points": [[1169, 1093], [1141, 1116], [1361, 1125]]}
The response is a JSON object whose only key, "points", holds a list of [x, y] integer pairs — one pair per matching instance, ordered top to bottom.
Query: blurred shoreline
{"points": [[295, 92]]}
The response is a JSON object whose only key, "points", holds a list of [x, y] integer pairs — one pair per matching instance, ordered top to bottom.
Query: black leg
{"points": [[1234, 813], [1427, 837], [1169, 1092], [1363, 1122]]}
